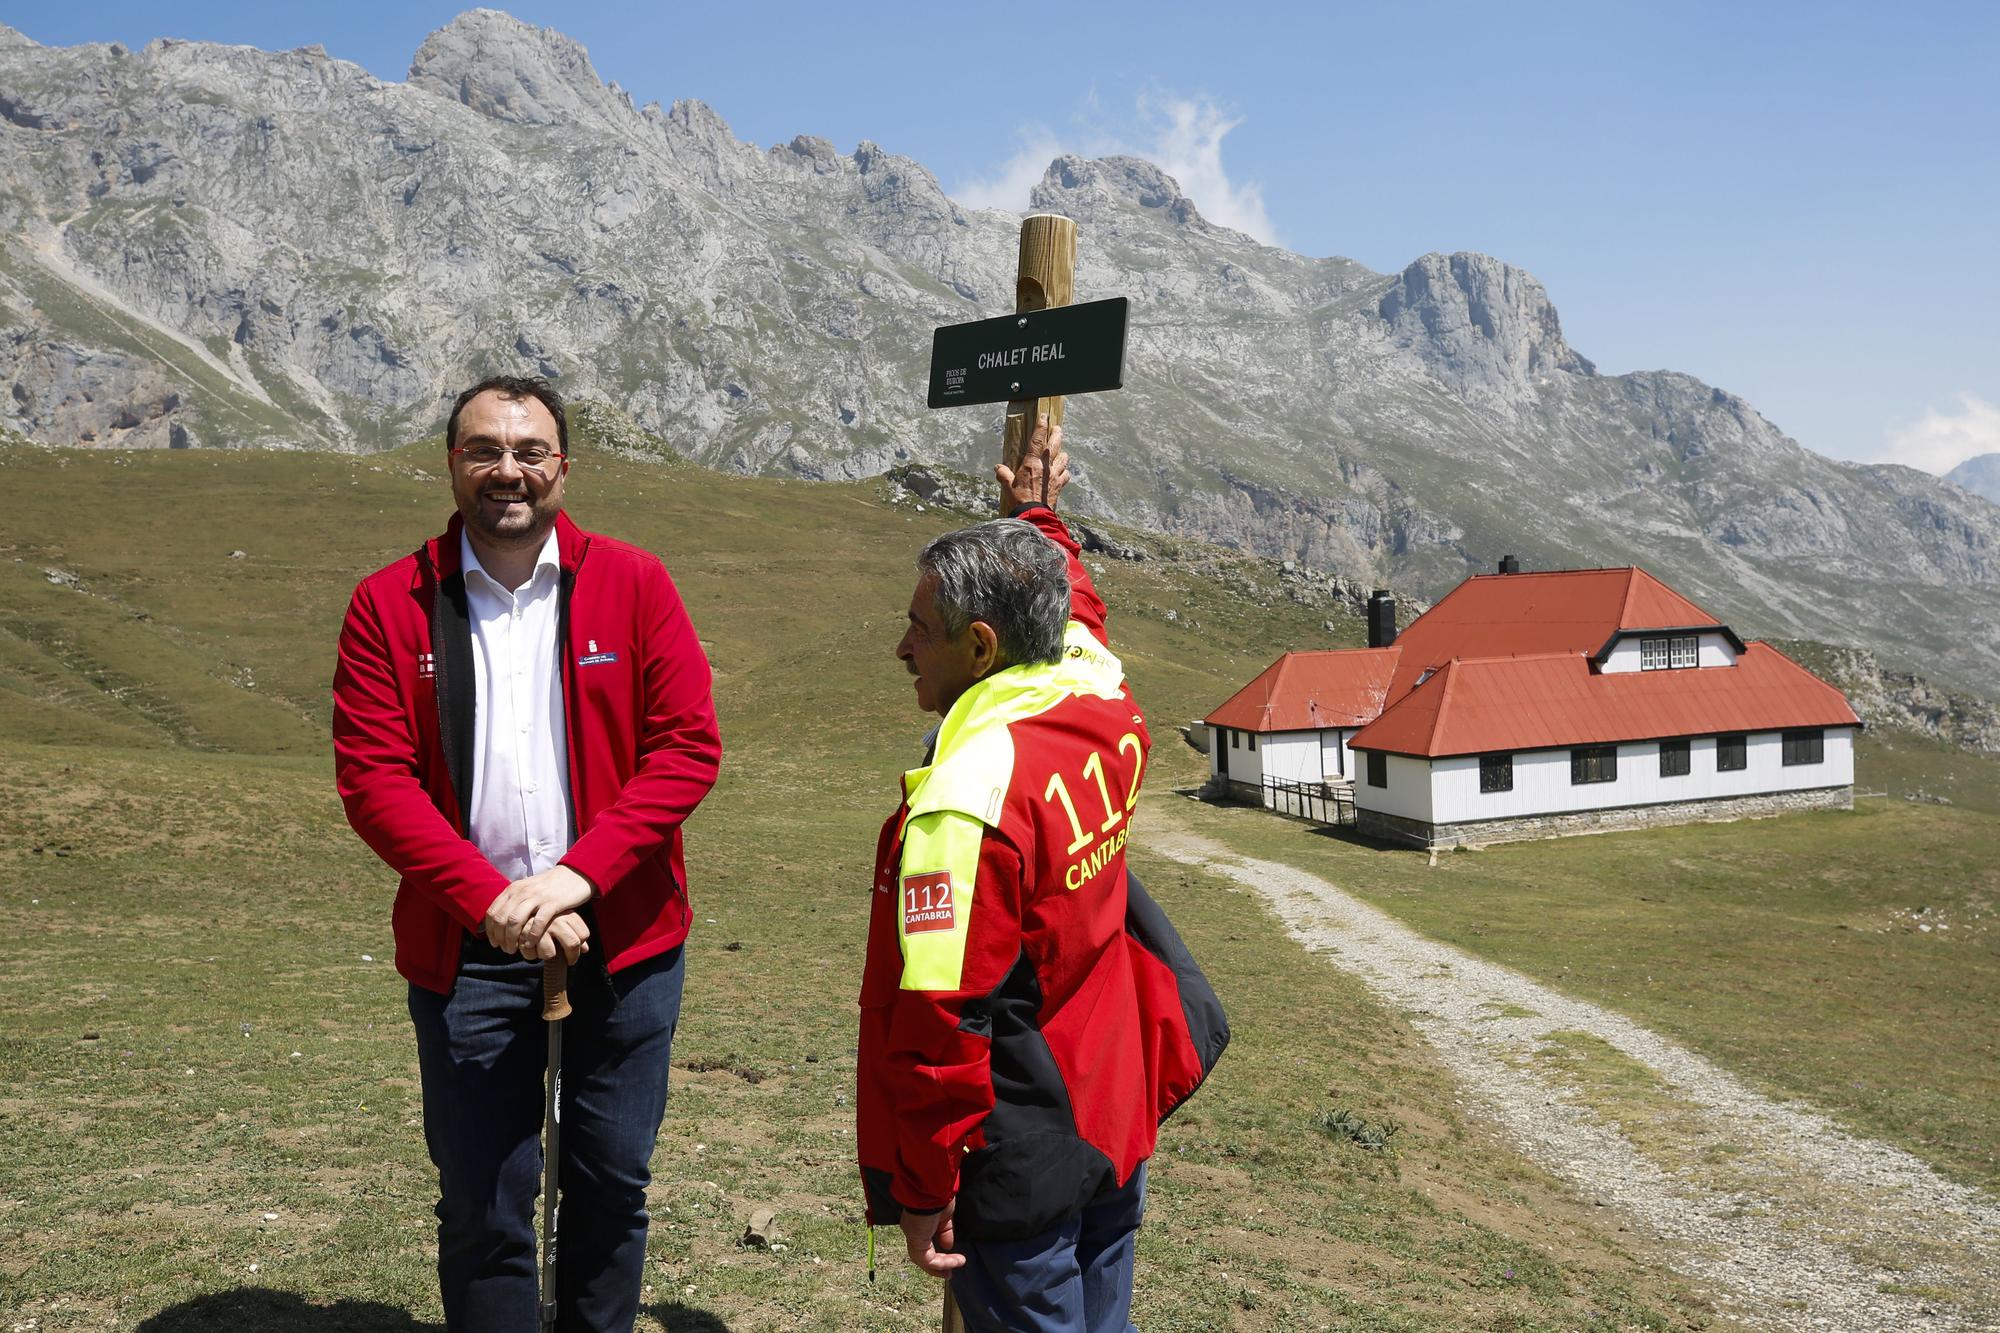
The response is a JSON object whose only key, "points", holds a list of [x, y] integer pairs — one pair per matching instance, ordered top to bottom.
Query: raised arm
{"points": [[1028, 493]]}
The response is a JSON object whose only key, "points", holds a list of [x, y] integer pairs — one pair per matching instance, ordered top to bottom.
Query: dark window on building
{"points": [[1235, 740], [1253, 742], [1804, 747], [1732, 753], [1674, 759], [1593, 763], [1378, 769], [1496, 772]]}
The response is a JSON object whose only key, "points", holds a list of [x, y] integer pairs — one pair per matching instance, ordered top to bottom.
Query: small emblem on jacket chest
{"points": [[427, 667]]}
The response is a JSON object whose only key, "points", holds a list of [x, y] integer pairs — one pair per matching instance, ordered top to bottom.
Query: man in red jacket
{"points": [[522, 723], [1020, 1037]]}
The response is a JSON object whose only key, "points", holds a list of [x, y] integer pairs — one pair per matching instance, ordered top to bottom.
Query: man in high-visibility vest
{"points": [[1019, 1043]]}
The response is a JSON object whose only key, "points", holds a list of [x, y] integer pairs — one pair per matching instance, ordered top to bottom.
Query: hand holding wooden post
{"points": [[1038, 476]]}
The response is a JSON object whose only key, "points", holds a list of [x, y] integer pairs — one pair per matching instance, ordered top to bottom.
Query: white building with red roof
{"points": [[1536, 704]]}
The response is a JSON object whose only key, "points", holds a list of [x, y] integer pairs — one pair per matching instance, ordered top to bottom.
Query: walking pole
{"points": [[555, 1008], [954, 1322]]}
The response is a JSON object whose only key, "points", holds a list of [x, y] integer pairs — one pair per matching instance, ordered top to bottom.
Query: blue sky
{"points": [[1799, 203]]}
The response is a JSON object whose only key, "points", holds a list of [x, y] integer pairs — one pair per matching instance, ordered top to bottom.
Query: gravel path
{"points": [[1790, 1221]]}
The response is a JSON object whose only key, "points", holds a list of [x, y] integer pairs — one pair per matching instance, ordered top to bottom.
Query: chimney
{"points": [[1510, 564], [1381, 619]]}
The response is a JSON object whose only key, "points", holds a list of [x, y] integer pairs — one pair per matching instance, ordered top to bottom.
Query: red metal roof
{"points": [[1651, 604], [1515, 615], [1504, 662], [1307, 691], [1541, 701]]}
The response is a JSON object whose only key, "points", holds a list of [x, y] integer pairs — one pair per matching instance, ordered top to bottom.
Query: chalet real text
{"points": [[1014, 356]]}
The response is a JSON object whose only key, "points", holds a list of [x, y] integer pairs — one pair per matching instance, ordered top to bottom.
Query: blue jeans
{"points": [[482, 1052], [1074, 1278]]}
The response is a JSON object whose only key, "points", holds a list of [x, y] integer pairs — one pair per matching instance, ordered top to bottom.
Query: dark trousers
{"points": [[482, 1051], [1074, 1278]]}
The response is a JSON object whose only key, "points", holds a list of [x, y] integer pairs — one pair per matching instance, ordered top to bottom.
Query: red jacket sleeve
{"points": [[1085, 606], [679, 747], [381, 785], [937, 1075]]}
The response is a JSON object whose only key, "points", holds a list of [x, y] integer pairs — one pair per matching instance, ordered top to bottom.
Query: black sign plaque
{"points": [[1035, 354]]}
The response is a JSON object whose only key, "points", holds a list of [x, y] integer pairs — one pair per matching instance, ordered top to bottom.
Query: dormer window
{"points": [[1669, 652]]}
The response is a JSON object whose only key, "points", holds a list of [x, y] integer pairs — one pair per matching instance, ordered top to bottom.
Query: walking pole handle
{"points": [[555, 990]]}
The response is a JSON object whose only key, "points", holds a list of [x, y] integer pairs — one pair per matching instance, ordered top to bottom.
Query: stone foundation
{"points": [[1228, 791], [1479, 832]]}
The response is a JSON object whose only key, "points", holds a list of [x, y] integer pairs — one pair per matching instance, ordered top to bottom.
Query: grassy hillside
{"points": [[214, 1120]]}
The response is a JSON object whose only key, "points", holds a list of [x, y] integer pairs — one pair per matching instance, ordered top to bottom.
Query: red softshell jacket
{"points": [[643, 746], [1077, 1021]]}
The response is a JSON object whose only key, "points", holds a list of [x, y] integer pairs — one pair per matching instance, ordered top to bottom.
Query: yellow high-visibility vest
{"points": [[960, 793]]}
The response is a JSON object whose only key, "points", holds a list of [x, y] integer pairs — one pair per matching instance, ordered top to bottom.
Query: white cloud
{"points": [[1182, 135], [1187, 145], [1007, 186], [1940, 441]]}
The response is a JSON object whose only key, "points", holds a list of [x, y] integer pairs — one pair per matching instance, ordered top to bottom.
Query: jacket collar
{"points": [[443, 549], [1013, 693]]}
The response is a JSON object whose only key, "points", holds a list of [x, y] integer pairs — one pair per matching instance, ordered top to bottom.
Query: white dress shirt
{"points": [[520, 755]]}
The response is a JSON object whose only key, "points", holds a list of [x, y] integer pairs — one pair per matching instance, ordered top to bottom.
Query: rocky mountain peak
{"points": [[11, 37], [511, 71], [696, 125], [811, 152], [901, 183], [1097, 189], [1479, 324], [1980, 475]]}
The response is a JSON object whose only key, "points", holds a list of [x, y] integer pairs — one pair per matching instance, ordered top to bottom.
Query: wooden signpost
{"points": [[1044, 278], [1047, 349]]}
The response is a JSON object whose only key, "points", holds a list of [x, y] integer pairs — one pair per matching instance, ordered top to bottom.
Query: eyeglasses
{"points": [[486, 457]]}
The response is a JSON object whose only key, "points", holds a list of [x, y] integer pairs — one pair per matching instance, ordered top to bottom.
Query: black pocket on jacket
{"points": [[1023, 1186]]}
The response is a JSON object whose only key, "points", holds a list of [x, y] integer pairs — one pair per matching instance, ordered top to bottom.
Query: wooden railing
{"points": [[1320, 802]]}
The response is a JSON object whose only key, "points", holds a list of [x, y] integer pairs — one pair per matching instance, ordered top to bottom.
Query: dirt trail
{"points": [[1791, 1221]]}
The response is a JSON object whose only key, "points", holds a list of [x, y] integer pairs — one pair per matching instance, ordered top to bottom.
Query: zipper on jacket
{"points": [[565, 584], [442, 685], [600, 964]]}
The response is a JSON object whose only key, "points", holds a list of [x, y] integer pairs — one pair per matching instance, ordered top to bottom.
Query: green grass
{"points": [[1907, 767], [1793, 950], [206, 1028], [213, 1033], [1627, 1094]]}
